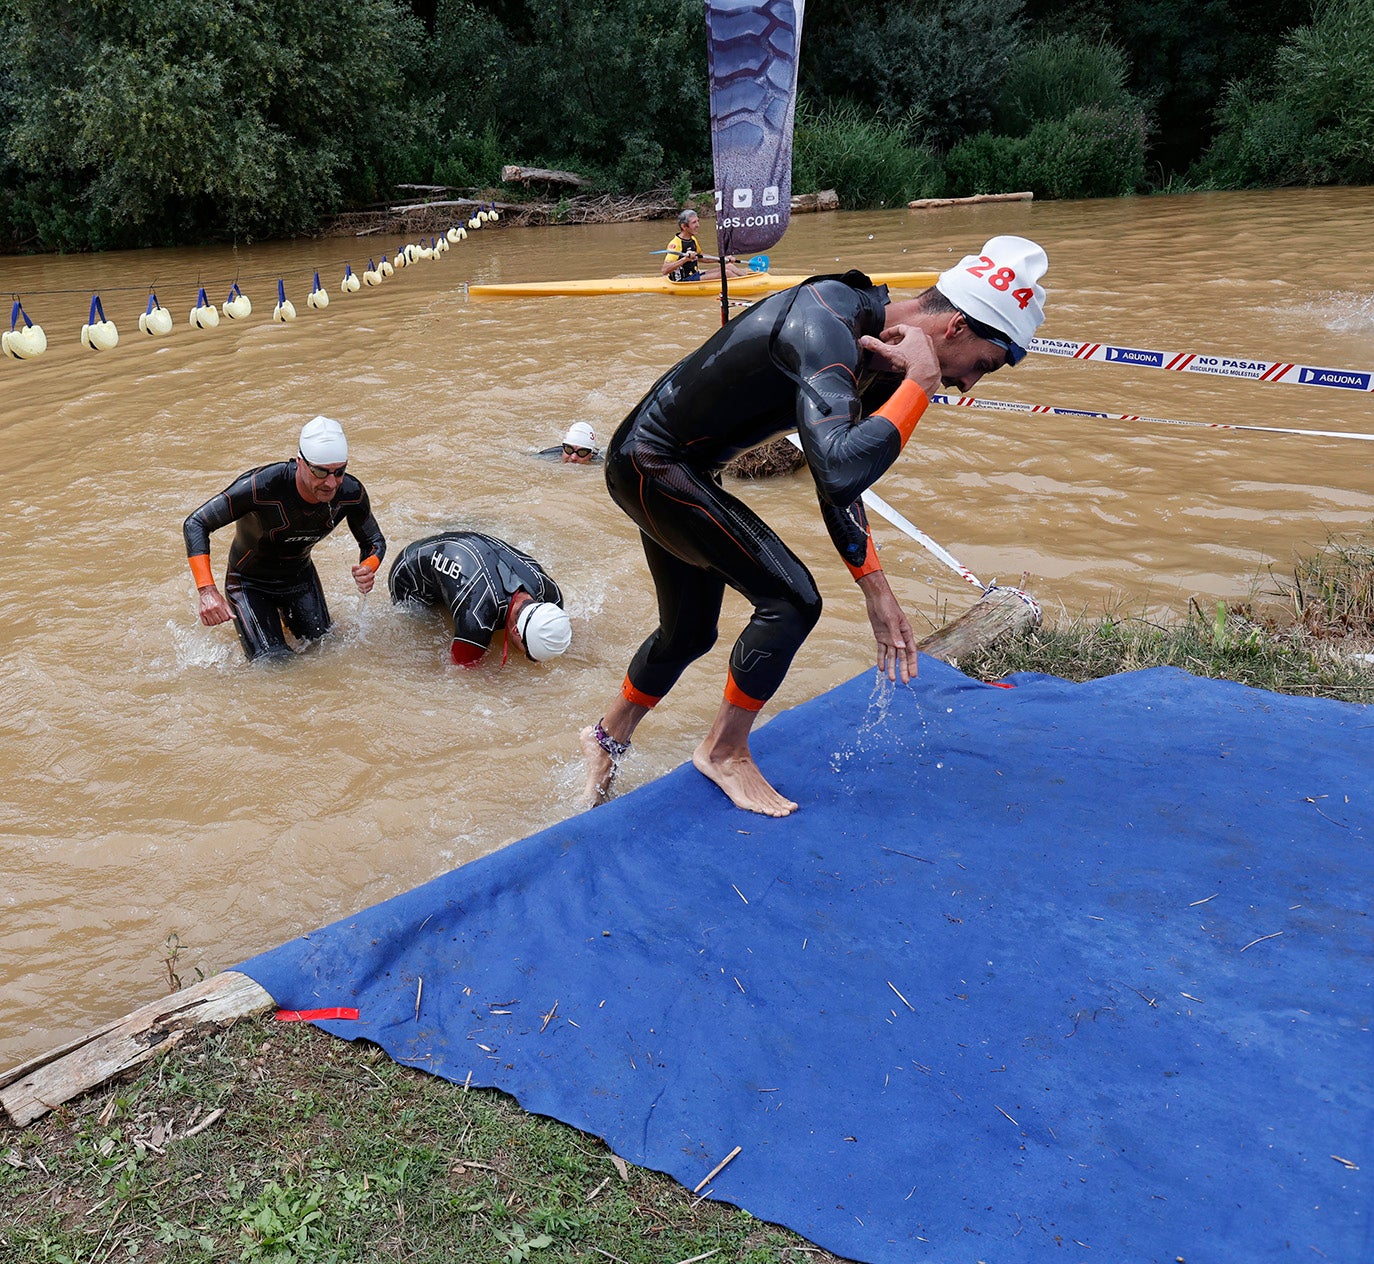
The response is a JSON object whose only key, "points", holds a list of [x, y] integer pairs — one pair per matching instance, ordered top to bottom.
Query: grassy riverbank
{"points": [[273, 1143]]}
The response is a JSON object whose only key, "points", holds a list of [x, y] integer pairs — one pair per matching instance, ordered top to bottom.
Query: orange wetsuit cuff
{"points": [[905, 407], [371, 562], [868, 565], [200, 568], [638, 696], [736, 696]]}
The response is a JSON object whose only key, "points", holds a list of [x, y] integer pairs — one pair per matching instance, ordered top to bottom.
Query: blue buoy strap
{"points": [[317, 282], [281, 291], [201, 300], [152, 302], [96, 310], [16, 312]]}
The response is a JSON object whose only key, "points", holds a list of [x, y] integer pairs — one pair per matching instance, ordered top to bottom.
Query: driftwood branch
{"points": [[930, 204], [35, 1087]]}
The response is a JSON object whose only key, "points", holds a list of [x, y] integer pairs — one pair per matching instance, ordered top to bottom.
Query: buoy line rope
{"points": [[237, 279], [1215, 366], [1008, 406]]}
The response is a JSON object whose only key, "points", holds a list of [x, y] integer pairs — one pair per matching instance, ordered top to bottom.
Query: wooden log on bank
{"points": [[512, 174], [825, 200], [929, 204], [999, 612], [33, 1088]]}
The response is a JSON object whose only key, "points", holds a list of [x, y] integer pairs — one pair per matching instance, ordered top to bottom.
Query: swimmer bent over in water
{"points": [[280, 513]]}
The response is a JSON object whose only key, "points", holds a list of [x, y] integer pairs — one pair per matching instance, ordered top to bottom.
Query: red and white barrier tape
{"points": [[1217, 366], [1007, 406]]}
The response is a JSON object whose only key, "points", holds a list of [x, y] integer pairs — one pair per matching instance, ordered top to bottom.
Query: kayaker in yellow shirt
{"points": [[684, 255]]}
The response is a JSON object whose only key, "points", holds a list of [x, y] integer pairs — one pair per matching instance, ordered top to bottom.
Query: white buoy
{"points": [[475, 223], [452, 236], [385, 268], [350, 283], [319, 296], [237, 306], [284, 309], [204, 315], [157, 320], [98, 333], [27, 342]]}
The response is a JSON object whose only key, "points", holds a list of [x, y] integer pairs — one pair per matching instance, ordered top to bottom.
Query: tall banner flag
{"points": [[752, 47]]}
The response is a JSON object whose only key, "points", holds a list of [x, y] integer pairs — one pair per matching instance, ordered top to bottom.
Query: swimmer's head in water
{"points": [[999, 293], [323, 442], [579, 444], [545, 630]]}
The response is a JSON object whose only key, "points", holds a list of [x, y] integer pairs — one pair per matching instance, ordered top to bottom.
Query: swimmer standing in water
{"points": [[853, 372], [280, 513]]}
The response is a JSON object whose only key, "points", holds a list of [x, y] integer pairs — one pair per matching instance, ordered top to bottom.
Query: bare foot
{"points": [[601, 770], [743, 783]]}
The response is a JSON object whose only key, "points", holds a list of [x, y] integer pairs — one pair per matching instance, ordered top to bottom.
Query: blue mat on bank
{"points": [[1070, 972]]}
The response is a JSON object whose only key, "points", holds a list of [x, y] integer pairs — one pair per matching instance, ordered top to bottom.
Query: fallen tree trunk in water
{"points": [[930, 204]]}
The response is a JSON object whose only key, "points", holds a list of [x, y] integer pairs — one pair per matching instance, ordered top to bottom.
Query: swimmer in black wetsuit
{"points": [[852, 372], [282, 511], [484, 584]]}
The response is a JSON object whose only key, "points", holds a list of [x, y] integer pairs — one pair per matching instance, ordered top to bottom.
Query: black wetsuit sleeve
{"points": [[819, 342], [232, 503], [848, 528], [365, 529]]}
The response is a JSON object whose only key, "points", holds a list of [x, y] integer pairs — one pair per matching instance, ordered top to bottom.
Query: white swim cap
{"points": [[1000, 289], [580, 435], [323, 442], [545, 630]]}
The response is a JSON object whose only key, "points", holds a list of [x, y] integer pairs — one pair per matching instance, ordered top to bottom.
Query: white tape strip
{"points": [[1217, 366], [1007, 406], [883, 509]]}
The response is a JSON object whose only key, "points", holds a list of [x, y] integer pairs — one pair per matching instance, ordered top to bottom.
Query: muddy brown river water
{"points": [[158, 786]]}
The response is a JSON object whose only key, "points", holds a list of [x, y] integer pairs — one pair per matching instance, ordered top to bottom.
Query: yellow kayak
{"points": [[750, 286]]}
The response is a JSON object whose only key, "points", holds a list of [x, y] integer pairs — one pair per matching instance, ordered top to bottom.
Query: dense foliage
{"points": [[140, 123]]}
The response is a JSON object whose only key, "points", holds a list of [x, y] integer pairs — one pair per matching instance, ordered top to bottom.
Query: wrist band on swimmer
{"points": [[905, 407], [371, 562], [869, 564], [200, 569]]}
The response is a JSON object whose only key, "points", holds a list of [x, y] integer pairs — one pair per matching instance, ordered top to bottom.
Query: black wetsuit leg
{"points": [[705, 536], [306, 613], [258, 614]]}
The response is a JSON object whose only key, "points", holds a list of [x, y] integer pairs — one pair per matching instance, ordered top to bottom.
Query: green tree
{"points": [[1182, 55], [941, 62], [1052, 76], [1310, 118], [136, 122]]}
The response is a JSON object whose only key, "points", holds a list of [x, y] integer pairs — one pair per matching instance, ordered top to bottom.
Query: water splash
{"points": [[875, 733]]}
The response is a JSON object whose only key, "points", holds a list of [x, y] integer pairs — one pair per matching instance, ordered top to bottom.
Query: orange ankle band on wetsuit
{"points": [[905, 407], [371, 562], [869, 564], [200, 568], [736, 696], [640, 699]]}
